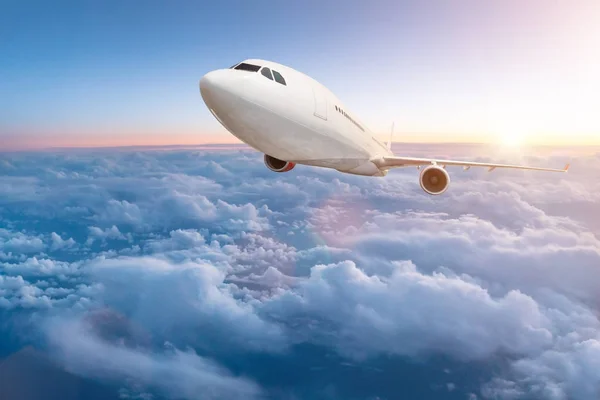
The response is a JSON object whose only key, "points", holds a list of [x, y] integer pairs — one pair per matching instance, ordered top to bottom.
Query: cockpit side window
{"points": [[233, 66], [248, 67], [266, 72], [279, 78]]}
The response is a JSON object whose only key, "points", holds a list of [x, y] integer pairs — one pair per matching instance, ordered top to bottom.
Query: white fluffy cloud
{"points": [[112, 233], [20, 243], [58, 243], [166, 296], [409, 313], [176, 373]]}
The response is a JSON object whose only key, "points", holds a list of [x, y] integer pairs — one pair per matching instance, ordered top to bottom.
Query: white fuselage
{"points": [[298, 121]]}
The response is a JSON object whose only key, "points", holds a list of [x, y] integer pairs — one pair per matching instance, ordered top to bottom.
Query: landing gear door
{"points": [[320, 103]]}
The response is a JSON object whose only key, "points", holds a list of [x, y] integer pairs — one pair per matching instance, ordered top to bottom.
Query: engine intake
{"points": [[277, 165], [434, 180]]}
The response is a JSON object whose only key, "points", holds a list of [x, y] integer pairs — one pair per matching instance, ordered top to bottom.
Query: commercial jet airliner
{"points": [[293, 119]]}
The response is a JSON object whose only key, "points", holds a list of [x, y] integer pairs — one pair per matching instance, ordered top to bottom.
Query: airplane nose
{"points": [[212, 83], [207, 84], [219, 89]]}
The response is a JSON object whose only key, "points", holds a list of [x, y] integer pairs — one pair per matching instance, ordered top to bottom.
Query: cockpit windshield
{"points": [[247, 67], [265, 71], [273, 75]]}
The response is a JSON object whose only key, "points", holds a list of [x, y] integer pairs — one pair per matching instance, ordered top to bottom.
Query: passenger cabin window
{"points": [[248, 67], [267, 73], [278, 78]]}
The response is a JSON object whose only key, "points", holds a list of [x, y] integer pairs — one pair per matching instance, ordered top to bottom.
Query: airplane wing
{"points": [[394, 162]]}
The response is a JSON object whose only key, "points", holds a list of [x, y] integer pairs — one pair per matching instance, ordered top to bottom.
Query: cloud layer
{"points": [[199, 275]]}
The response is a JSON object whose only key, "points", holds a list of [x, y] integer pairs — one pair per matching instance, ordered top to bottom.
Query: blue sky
{"points": [[94, 73]]}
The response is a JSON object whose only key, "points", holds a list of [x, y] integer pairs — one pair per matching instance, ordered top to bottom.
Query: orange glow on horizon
{"points": [[514, 138], [40, 141], [45, 141]]}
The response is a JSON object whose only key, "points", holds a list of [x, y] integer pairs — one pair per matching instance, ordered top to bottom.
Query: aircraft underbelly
{"points": [[277, 135]]}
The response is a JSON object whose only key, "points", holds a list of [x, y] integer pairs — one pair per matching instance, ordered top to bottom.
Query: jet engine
{"points": [[277, 165], [434, 180]]}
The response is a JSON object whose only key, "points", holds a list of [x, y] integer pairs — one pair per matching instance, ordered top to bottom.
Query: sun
{"points": [[511, 136], [512, 139]]}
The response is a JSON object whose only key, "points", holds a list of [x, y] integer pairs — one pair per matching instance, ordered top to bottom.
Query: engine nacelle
{"points": [[277, 165], [434, 180]]}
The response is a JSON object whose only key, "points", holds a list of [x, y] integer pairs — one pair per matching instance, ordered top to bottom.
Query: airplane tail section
{"points": [[389, 143]]}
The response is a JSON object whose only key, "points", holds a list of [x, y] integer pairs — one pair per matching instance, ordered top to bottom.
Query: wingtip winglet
{"points": [[567, 167]]}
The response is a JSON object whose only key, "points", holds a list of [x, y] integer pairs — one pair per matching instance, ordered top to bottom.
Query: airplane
{"points": [[293, 119]]}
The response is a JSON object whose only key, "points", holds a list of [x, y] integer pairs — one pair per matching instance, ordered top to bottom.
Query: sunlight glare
{"points": [[510, 136]]}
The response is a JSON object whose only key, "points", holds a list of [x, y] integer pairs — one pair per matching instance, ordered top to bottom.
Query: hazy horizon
{"points": [[430, 149]]}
